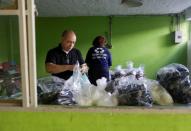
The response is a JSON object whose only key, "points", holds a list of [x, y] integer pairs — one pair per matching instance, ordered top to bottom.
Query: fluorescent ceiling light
{"points": [[132, 3], [188, 14]]}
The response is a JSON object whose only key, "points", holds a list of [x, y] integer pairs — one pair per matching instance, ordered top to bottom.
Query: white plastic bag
{"points": [[159, 94], [90, 95]]}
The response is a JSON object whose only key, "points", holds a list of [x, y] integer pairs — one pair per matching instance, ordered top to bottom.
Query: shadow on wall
{"points": [[146, 40]]}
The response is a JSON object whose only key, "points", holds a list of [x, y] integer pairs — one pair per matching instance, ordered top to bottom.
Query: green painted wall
{"points": [[49, 31], [14, 37], [4, 38], [9, 39], [143, 39], [147, 40], [94, 121]]}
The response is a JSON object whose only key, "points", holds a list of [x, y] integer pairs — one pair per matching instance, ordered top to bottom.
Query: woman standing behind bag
{"points": [[98, 60]]}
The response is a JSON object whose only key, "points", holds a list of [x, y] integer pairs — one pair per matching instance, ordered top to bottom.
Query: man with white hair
{"points": [[61, 60]]}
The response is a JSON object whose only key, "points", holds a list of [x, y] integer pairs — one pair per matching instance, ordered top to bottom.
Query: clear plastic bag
{"points": [[129, 70], [118, 72], [140, 72], [175, 79], [10, 81], [129, 83], [50, 84], [10, 89], [48, 89], [54, 90], [76, 90], [132, 92], [86, 94], [159, 94], [90, 95], [65, 97], [102, 98]]}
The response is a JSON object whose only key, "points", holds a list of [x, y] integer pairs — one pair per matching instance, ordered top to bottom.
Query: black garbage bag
{"points": [[175, 78]]}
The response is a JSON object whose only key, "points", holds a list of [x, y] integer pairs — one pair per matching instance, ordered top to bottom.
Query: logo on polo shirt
{"points": [[99, 53]]}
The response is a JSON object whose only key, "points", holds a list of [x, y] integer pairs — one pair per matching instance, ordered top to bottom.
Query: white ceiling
{"points": [[62, 8]]}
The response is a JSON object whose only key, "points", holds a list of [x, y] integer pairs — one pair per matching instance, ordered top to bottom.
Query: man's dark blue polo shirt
{"points": [[59, 57]]}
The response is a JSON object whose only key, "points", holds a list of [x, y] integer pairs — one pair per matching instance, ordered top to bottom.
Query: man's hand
{"points": [[70, 67], [54, 68], [84, 68]]}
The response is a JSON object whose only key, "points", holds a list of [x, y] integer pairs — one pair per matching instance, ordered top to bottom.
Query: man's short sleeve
{"points": [[50, 57], [80, 58]]}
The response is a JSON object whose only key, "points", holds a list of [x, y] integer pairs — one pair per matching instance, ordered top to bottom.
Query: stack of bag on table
{"points": [[10, 80], [128, 86], [77, 90], [135, 90]]}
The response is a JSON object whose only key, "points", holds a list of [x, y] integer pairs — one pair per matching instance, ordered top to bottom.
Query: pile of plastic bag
{"points": [[129, 70], [175, 79], [10, 81], [129, 86], [133, 88], [77, 90]]}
